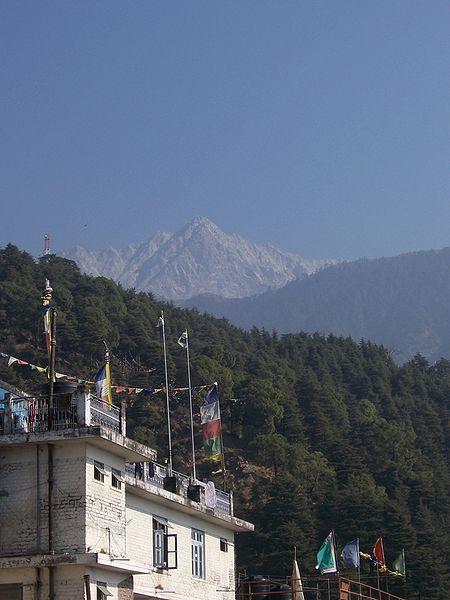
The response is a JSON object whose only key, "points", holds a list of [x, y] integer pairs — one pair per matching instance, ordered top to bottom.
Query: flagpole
{"points": [[169, 431], [194, 474], [359, 566]]}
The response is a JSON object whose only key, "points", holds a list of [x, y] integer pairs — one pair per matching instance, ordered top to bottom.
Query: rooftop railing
{"points": [[33, 415], [217, 500]]}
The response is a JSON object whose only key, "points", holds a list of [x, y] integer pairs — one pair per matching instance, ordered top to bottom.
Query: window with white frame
{"points": [[99, 471], [116, 479], [159, 543], [198, 553]]}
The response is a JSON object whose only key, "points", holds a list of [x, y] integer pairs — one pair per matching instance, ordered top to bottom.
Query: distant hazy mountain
{"points": [[199, 259], [402, 302]]}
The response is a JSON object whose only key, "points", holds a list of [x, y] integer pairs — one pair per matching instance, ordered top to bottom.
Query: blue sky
{"points": [[321, 127]]}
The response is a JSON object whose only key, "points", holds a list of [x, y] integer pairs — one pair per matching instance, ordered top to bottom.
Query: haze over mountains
{"points": [[198, 259], [402, 302]]}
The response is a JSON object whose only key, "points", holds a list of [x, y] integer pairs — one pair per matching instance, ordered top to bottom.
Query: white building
{"points": [[86, 513]]}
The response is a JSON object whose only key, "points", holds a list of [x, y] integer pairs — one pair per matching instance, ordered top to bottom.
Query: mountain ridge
{"points": [[197, 259], [399, 301]]}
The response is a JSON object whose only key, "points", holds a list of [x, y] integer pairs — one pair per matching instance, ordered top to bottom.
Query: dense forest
{"points": [[400, 302], [320, 432]]}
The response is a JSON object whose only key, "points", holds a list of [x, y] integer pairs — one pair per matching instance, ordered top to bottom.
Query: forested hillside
{"points": [[401, 302], [320, 432]]}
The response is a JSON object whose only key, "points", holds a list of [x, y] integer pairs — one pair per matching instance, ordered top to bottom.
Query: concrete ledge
{"points": [[101, 436], [146, 489], [92, 559]]}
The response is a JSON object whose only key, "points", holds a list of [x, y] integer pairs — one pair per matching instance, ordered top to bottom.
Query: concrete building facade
{"points": [[87, 513]]}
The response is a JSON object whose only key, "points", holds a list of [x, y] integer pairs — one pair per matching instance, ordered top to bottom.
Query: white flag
{"points": [[183, 339], [297, 587]]}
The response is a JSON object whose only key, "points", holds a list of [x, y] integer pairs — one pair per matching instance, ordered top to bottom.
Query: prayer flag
{"points": [[46, 299], [160, 322], [183, 339], [12, 360], [103, 382], [211, 424], [378, 551], [350, 555], [326, 556], [399, 565]]}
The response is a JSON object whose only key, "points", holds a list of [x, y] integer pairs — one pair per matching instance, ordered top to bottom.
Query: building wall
{"points": [[24, 498], [105, 506], [219, 565], [68, 582], [120, 585]]}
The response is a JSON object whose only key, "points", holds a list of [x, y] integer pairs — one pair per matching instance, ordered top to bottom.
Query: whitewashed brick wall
{"points": [[105, 506], [219, 565]]}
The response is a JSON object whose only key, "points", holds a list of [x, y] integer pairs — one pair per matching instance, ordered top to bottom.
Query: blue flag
{"points": [[212, 395], [350, 555]]}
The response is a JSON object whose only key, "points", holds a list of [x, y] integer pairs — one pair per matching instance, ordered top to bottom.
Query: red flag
{"points": [[378, 551]]}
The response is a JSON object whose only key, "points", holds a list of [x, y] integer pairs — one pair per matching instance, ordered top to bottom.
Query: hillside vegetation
{"points": [[401, 302], [320, 432]]}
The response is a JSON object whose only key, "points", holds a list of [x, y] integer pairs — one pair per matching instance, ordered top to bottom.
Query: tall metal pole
{"points": [[169, 431], [194, 474]]}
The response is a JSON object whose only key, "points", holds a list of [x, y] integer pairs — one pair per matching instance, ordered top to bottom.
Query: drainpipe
{"points": [[38, 501], [51, 550], [87, 586]]}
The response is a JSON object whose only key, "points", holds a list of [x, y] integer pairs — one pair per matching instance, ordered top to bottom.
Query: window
{"points": [[99, 471], [116, 479], [159, 543], [223, 545], [165, 548], [198, 553], [11, 591], [102, 591]]}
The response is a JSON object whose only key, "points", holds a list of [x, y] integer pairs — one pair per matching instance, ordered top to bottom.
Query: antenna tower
{"points": [[46, 244]]}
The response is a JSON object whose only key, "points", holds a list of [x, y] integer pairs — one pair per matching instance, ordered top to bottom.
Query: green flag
{"points": [[326, 557], [399, 564]]}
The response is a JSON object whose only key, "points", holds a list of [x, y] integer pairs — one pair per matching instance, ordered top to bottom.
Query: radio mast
{"points": [[46, 244]]}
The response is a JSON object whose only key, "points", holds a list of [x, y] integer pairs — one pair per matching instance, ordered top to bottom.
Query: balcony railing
{"points": [[32, 414], [155, 474]]}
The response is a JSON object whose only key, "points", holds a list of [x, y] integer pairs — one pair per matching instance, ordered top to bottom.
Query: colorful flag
{"points": [[46, 299], [183, 339], [12, 360], [103, 381], [211, 424], [378, 551], [350, 555], [326, 556], [399, 565], [296, 583]]}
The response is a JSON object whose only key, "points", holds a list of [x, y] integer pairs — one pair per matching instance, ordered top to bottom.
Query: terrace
{"points": [[69, 410], [205, 493]]}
